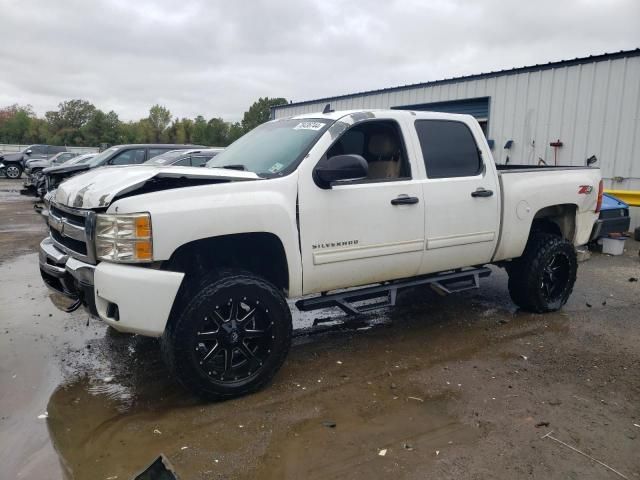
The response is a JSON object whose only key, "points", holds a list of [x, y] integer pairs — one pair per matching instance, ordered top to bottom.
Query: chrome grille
{"points": [[72, 231]]}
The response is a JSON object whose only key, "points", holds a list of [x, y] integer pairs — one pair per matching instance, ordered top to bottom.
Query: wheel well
{"points": [[557, 220], [260, 253]]}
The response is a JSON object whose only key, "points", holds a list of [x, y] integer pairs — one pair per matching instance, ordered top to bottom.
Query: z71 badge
{"points": [[585, 189]]}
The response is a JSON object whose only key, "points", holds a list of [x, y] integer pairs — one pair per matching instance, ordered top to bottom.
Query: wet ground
{"points": [[463, 386]]}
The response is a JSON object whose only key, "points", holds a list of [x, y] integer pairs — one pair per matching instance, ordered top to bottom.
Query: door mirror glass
{"points": [[28, 152], [340, 167]]}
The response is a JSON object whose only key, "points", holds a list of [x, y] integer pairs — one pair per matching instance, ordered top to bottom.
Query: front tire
{"points": [[13, 171], [542, 279], [230, 338]]}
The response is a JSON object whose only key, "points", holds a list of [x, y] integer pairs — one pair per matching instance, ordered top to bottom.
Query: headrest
{"points": [[382, 145]]}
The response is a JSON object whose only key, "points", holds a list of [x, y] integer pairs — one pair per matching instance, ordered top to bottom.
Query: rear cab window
{"points": [[448, 149]]}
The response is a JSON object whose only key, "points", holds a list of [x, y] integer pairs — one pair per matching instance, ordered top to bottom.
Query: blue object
{"points": [[609, 202]]}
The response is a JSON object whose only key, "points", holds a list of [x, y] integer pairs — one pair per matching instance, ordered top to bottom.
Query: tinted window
{"points": [[448, 148], [38, 149], [154, 152], [128, 157], [199, 160], [183, 162]]}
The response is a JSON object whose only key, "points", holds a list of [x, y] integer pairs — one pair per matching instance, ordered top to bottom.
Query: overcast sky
{"points": [[215, 58]]}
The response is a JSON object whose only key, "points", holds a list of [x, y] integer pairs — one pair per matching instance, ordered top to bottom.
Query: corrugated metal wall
{"points": [[592, 108]]}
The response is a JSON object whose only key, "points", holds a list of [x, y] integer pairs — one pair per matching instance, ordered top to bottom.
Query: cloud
{"points": [[215, 58]]}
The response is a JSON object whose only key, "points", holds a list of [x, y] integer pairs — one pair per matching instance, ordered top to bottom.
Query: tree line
{"points": [[80, 123]]}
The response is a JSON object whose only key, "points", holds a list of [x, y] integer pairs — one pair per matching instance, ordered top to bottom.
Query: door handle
{"points": [[481, 192], [404, 200]]}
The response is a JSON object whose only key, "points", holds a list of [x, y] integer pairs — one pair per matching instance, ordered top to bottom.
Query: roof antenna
{"points": [[327, 108]]}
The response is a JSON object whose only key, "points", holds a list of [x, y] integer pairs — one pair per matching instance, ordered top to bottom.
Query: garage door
{"points": [[478, 107]]}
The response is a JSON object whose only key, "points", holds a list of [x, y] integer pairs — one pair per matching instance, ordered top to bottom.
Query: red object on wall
{"points": [[557, 144]]}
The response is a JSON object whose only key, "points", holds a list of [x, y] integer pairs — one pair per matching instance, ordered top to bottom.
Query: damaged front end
{"points": [[68, 258]]}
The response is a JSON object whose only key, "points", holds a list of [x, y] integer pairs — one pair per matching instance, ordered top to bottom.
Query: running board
{"points": [[443, 283]]}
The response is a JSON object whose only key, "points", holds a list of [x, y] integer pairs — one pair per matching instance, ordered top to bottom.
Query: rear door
{"points": [[461, 195]]}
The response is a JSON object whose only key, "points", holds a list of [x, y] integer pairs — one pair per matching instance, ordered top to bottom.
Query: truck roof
{"points": [[338, 114]]}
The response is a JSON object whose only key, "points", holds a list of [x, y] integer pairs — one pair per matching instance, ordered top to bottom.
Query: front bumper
{"points": [[66, 275], [130, 298]]}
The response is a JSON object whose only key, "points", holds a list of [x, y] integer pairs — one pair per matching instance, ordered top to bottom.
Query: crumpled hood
{"points": [[35, 163], [67, 168], [98, 187]]}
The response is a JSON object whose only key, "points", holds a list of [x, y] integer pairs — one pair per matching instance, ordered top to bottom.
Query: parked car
{"points": [[118, 155], [185, 158], [58, 159], [14, 163], [33, 170], [38, 179], [349, 206], [613, 218]]}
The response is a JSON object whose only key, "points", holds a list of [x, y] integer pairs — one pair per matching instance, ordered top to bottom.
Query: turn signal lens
{"points": [[143, 227]]}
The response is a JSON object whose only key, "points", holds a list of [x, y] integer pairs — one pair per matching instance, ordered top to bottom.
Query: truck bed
{"points": [[527, 189]]}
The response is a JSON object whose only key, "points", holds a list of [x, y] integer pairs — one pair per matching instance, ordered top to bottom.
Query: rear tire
{"points": [[13, 171], [542, 279], [230, 338]]}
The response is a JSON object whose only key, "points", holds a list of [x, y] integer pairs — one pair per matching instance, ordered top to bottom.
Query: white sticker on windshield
{"points": [[309, 126], [276, 167]]}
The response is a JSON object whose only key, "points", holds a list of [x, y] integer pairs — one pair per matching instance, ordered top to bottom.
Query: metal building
{"points": [[559, 112]]}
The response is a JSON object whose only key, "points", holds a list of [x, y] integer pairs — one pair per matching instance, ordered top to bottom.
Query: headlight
{"points": [[124, 238]]}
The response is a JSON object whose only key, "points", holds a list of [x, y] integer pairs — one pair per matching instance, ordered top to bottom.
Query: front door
{"points": [[461, 196], [364, 231]]}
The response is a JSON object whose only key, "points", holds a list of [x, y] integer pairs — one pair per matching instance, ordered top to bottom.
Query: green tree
{"points": [[259, 112], [159, 119], [15, 123], [101, 128], [236, 130], [199, 133], [217, 133]]}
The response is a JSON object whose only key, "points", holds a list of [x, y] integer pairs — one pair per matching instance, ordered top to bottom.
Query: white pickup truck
{"points": [[349, 205]]}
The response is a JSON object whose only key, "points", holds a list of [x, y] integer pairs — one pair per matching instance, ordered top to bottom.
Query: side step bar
{"points": [[443, 283]]}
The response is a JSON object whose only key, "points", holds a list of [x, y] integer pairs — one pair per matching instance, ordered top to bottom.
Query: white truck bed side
{"points": [[527, 192]]}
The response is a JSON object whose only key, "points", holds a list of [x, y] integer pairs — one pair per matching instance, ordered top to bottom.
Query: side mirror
{"points": [[28, 152], [339, 167]]}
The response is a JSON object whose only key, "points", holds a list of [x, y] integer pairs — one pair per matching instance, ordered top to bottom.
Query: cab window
{"points": [[380, 144], [448, 149], [128, 157]]}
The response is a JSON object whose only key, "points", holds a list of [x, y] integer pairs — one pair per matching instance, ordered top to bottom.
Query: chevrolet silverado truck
{"points": [[335, 209]]}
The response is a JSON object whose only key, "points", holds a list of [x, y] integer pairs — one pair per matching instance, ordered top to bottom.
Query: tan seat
{"points": [[385, 161]]}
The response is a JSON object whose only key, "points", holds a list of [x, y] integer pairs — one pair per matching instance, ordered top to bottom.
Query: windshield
{"points": [[273, 148], [166, 158], [81, 159], [97, 160]]}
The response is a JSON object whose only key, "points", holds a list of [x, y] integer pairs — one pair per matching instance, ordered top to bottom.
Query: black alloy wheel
{"points": [[228, 335], [234, 340]]}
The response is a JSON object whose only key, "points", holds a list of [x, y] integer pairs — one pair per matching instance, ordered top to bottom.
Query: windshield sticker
{"points": [[309, 126], [276, 167]]}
